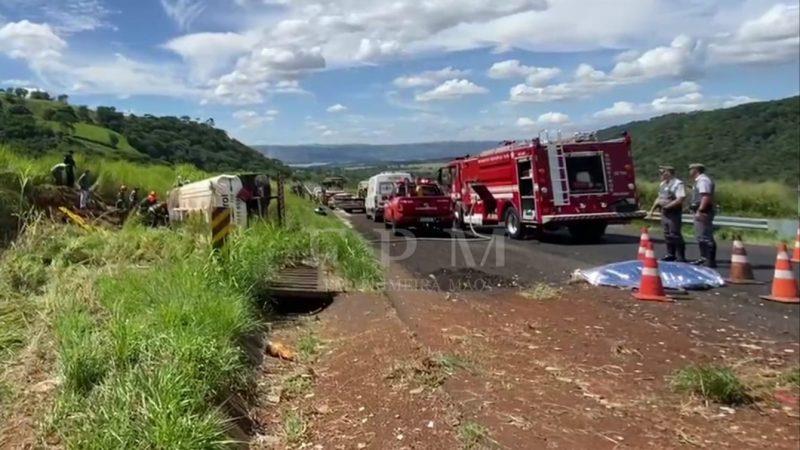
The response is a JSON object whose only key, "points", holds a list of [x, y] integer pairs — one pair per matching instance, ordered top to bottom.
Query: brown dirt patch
{"points": [[591, 369], [361, 391]]}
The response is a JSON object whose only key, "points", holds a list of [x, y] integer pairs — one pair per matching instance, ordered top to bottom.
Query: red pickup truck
{"points": [[419, 204]]}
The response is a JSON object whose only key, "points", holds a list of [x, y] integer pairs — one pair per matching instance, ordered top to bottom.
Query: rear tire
{"points": [[458, 219], [514, 227], [588, 232]]}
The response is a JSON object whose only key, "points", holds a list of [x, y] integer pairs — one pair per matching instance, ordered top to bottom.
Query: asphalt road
{"points": [[553, 258]]}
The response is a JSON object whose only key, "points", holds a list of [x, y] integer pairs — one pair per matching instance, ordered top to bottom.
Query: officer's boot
{"points": [[702, 246], [680, 252], [711, 255], [670, 256]]}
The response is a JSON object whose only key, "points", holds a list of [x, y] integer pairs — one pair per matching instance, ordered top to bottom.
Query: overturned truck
{"points": [[581, 183], [247, 196]]}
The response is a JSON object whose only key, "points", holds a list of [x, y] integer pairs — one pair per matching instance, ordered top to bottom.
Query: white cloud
{"points": [[183, 12], [64, 16], [772, 37], [29, 41], [208, 53], [682, 57], [512, 68], [123, 76], [428, 78], [15, 83], [684, 87], [451, 90], [682, 102], [337, 108], [618, 109], [553, 118], [252, 119], [547, 119]]}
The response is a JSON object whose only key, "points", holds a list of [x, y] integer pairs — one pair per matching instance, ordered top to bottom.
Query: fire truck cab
{"points": [[582, 184]]}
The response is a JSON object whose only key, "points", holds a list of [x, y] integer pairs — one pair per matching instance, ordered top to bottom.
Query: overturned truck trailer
{"points": [[247, 196]]}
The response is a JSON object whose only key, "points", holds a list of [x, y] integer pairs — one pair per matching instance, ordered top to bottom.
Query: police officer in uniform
{"points": [[671, 194], [703, 208]]}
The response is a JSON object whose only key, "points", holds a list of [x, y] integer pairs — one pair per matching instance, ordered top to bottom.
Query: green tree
{"points": [[40, 95], [83, 114], [113, 139]]}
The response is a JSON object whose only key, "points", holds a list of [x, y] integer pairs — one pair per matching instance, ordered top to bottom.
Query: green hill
{"points": [[41, 125], [752, 142]]}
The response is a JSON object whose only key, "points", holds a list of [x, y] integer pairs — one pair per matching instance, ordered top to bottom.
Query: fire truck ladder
{"points": [[558, 174]]}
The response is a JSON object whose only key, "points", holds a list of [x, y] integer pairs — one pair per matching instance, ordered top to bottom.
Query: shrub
{"points": [[719, 384]]}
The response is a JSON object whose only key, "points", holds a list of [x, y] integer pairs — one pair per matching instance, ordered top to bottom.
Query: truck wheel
{"points": [[377, 218], [458, 219], [387, 225], [514, 227], [588, 232]]}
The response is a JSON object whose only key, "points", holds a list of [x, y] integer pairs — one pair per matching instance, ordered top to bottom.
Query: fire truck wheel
{"points": [[458, 219], [387, 225], [514, 228], [588, 232]]}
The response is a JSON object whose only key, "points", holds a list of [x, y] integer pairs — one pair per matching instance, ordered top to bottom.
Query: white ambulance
{"points": [[379, 188]]}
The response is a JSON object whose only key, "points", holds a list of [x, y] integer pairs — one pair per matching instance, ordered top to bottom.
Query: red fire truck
{"points": [[582, 183]]}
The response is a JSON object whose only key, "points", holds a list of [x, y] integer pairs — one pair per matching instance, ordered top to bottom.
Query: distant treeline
{"points": [[751, 142]]}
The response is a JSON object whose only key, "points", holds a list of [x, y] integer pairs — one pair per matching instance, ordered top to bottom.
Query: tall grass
{"points": [[109, 174], [741, 198], [147, 322]]}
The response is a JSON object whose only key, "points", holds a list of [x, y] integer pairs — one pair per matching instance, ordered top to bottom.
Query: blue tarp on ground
{"points": [[674, 275]]}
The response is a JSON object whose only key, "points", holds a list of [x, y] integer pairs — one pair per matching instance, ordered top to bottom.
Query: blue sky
{"points": [[340, 71]]}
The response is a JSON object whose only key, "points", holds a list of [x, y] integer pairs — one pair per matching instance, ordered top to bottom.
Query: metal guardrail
{"points": [[725, 221]]}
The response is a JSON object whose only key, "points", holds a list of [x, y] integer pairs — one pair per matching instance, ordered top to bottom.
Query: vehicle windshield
{"points": [[386, 188], [426, 190]]}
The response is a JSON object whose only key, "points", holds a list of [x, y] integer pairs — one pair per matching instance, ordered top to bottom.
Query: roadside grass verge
{"points": [[740, 198], [255, 256], [541, 291], [147, 322], [714, 383], [295, 427], [473, 435]]}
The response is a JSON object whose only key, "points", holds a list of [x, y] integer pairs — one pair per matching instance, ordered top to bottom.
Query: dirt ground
{"points": [[589, 368]]}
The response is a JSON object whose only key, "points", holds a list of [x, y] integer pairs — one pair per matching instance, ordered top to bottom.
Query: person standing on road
{"points": [[671, 194], [703, 209]]}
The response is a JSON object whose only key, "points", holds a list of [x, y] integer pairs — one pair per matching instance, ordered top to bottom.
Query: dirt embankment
{"points": [[588, 369]]}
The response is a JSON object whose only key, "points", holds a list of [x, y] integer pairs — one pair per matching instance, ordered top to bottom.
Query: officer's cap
{"points": [[697, 166], [666, 169]]}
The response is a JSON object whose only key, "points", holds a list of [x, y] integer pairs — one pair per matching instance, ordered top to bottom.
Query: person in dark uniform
{"points": [[69, 162], [671, 194], [703, 208]]}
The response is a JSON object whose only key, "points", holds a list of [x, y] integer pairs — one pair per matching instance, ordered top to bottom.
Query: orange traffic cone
{"points": [[644, 242], [796, 254], [741, 271], [784, 286], [650, 288]]}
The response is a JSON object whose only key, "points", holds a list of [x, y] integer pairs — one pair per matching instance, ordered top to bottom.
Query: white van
{"points": [[379, 188], [202, 197]]}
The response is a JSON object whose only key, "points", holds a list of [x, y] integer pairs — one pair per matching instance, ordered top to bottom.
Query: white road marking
{"points": [[344, 219]]}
